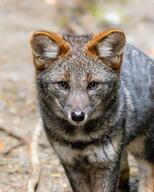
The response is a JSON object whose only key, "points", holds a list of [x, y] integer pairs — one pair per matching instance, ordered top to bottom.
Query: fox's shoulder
{"points": [[135, 59], [137, 66]]}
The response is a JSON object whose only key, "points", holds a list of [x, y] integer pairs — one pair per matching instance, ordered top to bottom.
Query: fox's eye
{"points": [[63, 85], [92, 85]]}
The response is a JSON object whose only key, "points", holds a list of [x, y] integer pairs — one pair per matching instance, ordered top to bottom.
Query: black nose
{"points": [[77, 116]]}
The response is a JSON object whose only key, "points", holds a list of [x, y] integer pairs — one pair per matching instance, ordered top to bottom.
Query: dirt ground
{"points": [[18, 104]]}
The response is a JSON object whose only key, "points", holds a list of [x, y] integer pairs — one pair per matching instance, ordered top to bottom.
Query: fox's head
{"points": [[77, 76]]}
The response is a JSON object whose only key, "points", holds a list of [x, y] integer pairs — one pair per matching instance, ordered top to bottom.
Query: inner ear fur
{"points": [[47, 45], [108, 45], [64, 46], [91, 46]]}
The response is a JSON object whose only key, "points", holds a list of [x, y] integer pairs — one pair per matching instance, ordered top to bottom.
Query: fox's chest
{"points": [[90, 154]]}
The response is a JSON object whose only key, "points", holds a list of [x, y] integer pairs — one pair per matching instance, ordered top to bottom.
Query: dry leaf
{"points": [[1, 146]]}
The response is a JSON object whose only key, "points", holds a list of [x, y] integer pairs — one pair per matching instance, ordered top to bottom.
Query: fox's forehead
{"points": [[78, 68]]}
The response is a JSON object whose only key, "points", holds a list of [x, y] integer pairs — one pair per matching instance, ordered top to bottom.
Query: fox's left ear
{"points": [[108, 45]]}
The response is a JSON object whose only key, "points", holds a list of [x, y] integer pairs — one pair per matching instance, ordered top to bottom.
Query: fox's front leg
{"points": [[104, 172], [78, 178], [92, 178], [104, 179]]}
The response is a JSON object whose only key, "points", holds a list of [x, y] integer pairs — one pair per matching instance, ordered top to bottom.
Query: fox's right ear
{"points": [[108, 45], [47, 46]]}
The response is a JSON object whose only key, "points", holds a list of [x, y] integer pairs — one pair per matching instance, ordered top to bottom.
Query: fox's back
{"points": [[137, 87]]}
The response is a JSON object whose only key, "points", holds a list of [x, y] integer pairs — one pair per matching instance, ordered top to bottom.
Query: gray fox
{"points": [[96, 96]]}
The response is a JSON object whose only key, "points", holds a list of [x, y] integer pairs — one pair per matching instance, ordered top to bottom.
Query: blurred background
{"points": [[18, 104]]}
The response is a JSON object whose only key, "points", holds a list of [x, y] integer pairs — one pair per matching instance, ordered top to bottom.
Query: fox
{"points": [[96, 98]]}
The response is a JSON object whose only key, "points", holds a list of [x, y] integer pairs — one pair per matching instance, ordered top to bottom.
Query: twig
{"points": [[14, 135], [22, 141], [7, 152], [34, 160]]}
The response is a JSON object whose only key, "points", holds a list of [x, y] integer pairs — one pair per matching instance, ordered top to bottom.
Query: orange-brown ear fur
{"points": [[91, 45], [64, 46]]}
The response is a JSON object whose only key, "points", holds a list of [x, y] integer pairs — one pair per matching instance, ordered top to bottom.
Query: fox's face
{"points": [[77, 76]]}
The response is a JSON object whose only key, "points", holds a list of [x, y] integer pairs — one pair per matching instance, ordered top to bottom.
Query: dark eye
{"points": [[63, 85], [92, 85]]}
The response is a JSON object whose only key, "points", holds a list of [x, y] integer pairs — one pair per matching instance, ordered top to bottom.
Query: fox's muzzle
{"points": [[76, 107]]}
